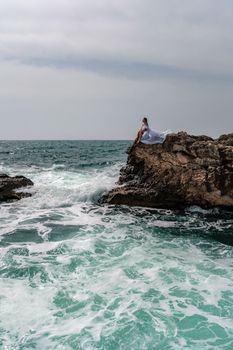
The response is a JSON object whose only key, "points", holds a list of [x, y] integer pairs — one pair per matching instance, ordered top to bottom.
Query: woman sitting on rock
{"points": [[148, 136]]}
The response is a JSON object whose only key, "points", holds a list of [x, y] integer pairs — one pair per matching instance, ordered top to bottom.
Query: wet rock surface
{"points": [[185, 170], [10, 185]]}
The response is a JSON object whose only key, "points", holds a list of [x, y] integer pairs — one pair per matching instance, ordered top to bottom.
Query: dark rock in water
{"points": [[183, 171], [8, 185]]}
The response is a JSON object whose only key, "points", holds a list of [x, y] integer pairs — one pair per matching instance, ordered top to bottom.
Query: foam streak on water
{"points": [[78, 275]]}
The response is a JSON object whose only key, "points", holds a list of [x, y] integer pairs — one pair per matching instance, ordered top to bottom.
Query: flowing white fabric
{"points": [[151, 137]]}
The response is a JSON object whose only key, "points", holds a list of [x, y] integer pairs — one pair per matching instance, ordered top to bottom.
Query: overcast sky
{"points": [[89, 69]]}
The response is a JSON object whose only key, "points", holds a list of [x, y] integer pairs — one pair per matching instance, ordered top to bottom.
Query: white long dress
{"points": [[151, 137]]}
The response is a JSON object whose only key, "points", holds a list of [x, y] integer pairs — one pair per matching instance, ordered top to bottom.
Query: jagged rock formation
{"points": [[185, 170], [8, 185]]}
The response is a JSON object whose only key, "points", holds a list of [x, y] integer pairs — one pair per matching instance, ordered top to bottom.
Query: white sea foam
{"points": [[78, 274]]}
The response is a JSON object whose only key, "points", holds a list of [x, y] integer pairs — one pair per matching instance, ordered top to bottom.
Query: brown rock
{"points": [[185, 170], [8, 185]]}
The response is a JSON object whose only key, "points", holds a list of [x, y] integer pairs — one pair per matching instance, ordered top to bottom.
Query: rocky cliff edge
{"points": [[185, 170]]}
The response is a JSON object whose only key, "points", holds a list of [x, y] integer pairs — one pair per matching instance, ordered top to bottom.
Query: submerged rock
{"points": [[183, 171], [8, 185]]}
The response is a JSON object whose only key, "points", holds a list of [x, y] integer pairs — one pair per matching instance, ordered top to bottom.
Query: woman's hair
{"points": [[145, 120]]}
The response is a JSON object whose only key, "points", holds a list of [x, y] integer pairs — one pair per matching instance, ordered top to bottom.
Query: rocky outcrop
{"points": [[185, 170], [8, 185]]}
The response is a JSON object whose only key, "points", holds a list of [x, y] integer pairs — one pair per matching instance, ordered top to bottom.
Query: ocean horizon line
{"points": [[87, 140]]}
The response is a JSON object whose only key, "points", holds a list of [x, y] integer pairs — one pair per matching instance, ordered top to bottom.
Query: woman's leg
{"points": [[138, 138]]}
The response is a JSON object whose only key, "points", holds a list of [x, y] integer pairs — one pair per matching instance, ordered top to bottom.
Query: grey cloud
{"points": [[178, 37], [90, 69], [130, 70]]}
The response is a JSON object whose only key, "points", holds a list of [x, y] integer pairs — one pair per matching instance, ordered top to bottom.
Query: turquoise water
{"points": [[78, 275]]}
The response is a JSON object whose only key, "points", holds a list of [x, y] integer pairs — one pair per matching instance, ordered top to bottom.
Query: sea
{"points": [[78, 274]]}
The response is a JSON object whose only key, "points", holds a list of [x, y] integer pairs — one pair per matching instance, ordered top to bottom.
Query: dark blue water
{"points": [[78, 275]]}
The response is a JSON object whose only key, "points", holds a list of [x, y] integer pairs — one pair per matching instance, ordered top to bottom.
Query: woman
{"points": [[148, 136]]}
